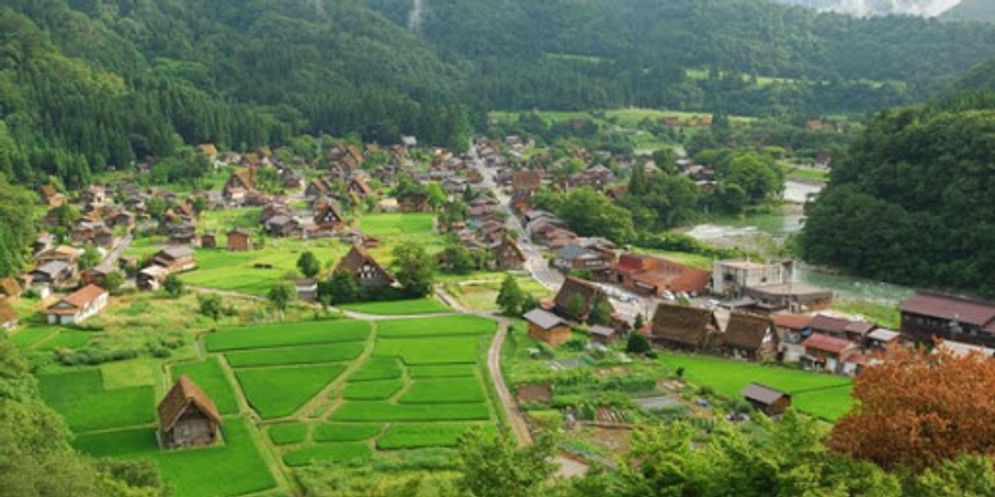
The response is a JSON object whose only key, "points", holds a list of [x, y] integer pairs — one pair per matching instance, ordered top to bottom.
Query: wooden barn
{"points": [[547, 327], [683, 328], [750, 337], [770, 401], [187, 416]]}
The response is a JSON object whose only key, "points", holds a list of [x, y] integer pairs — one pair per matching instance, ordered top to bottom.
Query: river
{"points": [[766, 233]]}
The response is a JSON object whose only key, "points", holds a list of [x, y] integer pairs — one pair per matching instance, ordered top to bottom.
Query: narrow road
{"points": [[515, 418]]}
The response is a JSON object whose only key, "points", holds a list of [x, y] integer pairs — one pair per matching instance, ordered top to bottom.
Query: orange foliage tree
{"points": [[918, 409]]}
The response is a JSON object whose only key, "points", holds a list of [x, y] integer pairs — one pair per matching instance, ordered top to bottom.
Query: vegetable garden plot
{"points": [[287, 334], [309, 354], [278, 392]]}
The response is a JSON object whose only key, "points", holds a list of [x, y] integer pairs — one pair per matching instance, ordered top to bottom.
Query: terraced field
{"points": [[292, 395]]}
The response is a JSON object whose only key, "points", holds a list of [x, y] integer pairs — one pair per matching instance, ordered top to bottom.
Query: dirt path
{"points": [[515, 418]]}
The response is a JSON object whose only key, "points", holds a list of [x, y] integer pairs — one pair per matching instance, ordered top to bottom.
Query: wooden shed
{"points": [[239, 240], [547, 327], [770, 401], [187, 416]]}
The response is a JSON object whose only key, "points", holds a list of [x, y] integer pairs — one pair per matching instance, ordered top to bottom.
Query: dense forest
{"points": [[87, 85], [911, 200]]}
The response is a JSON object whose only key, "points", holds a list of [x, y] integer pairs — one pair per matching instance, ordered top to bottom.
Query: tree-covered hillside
{"points": [[91, 84], [912, 201]]}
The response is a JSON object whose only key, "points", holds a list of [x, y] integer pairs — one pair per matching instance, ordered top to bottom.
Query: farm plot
{"points": [[398, 307], [439, 326], [287, 335], [66, 339], [443, 350], [309, 354], [378, 368], [442, 371], [209, 376], [372, 390], [450, 390], [278, 392], [827, 395], [86, 405], [383, 411], [333, 432], [419, 435], [328, 453], [234, 468]]}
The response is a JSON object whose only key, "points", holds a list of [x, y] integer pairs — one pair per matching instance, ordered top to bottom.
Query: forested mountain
{"points": [[927, 8], [972, 10], [980, 78], [89, 84], [911, 202]]}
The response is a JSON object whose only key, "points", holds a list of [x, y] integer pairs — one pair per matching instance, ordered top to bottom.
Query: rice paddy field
{"points": [[292, 395]]}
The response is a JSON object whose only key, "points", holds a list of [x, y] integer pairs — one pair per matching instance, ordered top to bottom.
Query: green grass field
{"points": [[395, 228], [399, 307], [438, 326], [287, 334], [29, 336], [66, 339], [445, 350], [310, 354], [378, 368], [442, 371], [209, 376], [372, 390], [450, 390], [278, 392], [829, 393], [84, 403], [383, 411], [331, 432], [288, 433], [413, 436], [328, 453], [235, 468]]}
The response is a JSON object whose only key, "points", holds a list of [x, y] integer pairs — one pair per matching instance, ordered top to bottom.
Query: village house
{"points": [[291, 179], [526, 181], [239, 184], [317, 188], [358, 189], [95, 196], [50, 197], [412, 201], [328, 216], [282, 226], [358, 237], [239, 240], [43, 242], [62, 253], [508, 255], [576, 257], [176, 258], [367, 272], [54, 274], [97, 274], [656, 276], [151, 278], [732, 278], [307, 290], [791, 297], [576, 298], [78, 306], [926, 316], [547, 327], [683, 327], [792, 330], [854, 331], [604, 335], [750, 337], [881, 339], [826, 353], [767, 400], [187, 416]]}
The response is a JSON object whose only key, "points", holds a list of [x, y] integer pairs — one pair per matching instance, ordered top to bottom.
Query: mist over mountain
{"points": [[866, 8]]}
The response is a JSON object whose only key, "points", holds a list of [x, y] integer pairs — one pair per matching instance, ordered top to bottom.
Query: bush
{"points": [[577, 344], [637, 344]]}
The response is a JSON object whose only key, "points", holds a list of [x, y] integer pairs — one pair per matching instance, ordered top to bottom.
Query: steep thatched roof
{"points": [[689, 326], [746, 331], [185, 394]]}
